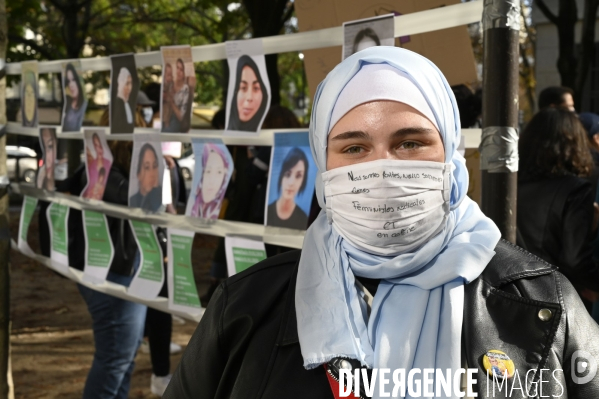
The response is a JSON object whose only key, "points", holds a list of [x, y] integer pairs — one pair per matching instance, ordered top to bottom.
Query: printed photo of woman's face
{"points": [[180, 71], [168, 73], [72, 84], [127, 88], [249, 94], [29, 102], [98, 147], [49, 149], [148, 172], [213, 175], [292, 180]]}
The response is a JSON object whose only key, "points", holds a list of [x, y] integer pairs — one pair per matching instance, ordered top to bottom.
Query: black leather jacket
{"points": [[246, 345]]}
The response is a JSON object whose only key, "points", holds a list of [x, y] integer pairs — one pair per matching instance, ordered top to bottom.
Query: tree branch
{"points": [[33, 44]]}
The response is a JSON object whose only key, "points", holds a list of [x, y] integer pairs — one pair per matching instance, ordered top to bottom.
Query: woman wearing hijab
{"points": [[75, 102], [250, 102], [123, 113], [216, 171], [401, 271]]}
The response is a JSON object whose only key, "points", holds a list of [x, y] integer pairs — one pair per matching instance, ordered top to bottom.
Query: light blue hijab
{"points": [[417, 312]]}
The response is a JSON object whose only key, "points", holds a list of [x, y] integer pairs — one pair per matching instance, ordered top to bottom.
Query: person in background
{"points": [[557, 97], [470, 106], [555, 200]]}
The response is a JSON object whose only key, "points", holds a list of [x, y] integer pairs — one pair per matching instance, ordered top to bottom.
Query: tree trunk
{"points": [[268, 18], [587, 48], [566, 62], [4, 230]]}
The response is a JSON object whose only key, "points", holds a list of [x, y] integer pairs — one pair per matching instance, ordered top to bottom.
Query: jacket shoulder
{"points": [[513, 263]]}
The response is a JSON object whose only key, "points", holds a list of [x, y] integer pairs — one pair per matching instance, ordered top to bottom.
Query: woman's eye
{"points": [[409, 145], [354, 150]]}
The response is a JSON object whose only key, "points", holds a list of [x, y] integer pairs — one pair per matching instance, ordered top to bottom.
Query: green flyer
{"points": [[27, 211], [58, 215], [99, 250], [243, 253], [149, 278], [183, 294]]}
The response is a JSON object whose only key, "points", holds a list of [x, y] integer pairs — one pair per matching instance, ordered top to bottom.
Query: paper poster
{"points": [[368, 32], [124, 85], [178, 88], [29, 93], [248, 95], [75, 103], [54, 160], [98, 160], [147, 171], [211, 175], [291, 180], [27, 211], [58, 215], [99, 250], [242, 253], [149, 278], [183, 294]]}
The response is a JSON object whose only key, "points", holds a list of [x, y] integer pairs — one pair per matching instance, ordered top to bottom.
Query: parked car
{"points": [[26, 160]]}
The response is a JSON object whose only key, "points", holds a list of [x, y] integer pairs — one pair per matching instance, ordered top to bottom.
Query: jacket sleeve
{"points": [[576, 258], [582, 345], [199, 372]]}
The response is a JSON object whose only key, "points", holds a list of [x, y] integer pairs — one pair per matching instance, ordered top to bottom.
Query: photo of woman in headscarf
{"points": [[29, 99], [176, 100], [250, 100], [75, 103], [123, 110], [49, 144], [95, 165], [293, 177], [149, 178], [210, 191]]}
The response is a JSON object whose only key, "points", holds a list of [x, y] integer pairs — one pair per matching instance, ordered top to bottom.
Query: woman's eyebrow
{"points": [[413, 130], [353, 135]]}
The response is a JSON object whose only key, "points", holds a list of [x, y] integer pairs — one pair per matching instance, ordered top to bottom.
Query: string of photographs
{"points": [[286, 197]]}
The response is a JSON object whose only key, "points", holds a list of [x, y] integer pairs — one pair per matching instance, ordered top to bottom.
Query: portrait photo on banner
{"points": [[369, 32], [124, 85], [178, 88], [29, 93], [248, 94], [75, 103], [54, 159], [98, 160], [213, 170], [146, 175], [291, 180]]}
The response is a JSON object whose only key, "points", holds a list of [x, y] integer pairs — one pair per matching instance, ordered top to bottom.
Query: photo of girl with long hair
{"points": [[124, 85], [178, 85], [29, 94], [248, 97], [75, 103], [49, 144], [98, 161], [213, 170]]}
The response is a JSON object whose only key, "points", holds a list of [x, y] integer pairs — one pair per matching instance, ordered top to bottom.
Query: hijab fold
{"points": [[416, 315]]}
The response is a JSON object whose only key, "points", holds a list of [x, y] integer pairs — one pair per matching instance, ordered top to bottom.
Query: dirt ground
{"points": [[51, 339]]}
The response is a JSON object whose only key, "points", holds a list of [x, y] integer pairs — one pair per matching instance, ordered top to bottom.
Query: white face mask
{"points": [[388, 207]]}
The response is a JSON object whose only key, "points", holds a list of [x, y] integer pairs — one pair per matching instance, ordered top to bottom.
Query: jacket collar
{"points": [[509, 263]]}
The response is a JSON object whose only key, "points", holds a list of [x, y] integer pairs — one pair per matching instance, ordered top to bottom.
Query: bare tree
{"points": [[572, 64]]}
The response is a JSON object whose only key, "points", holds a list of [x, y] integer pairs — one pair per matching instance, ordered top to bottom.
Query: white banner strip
{"points": [[409, 24], [263, 137], [270, 235], [107, 287]]}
